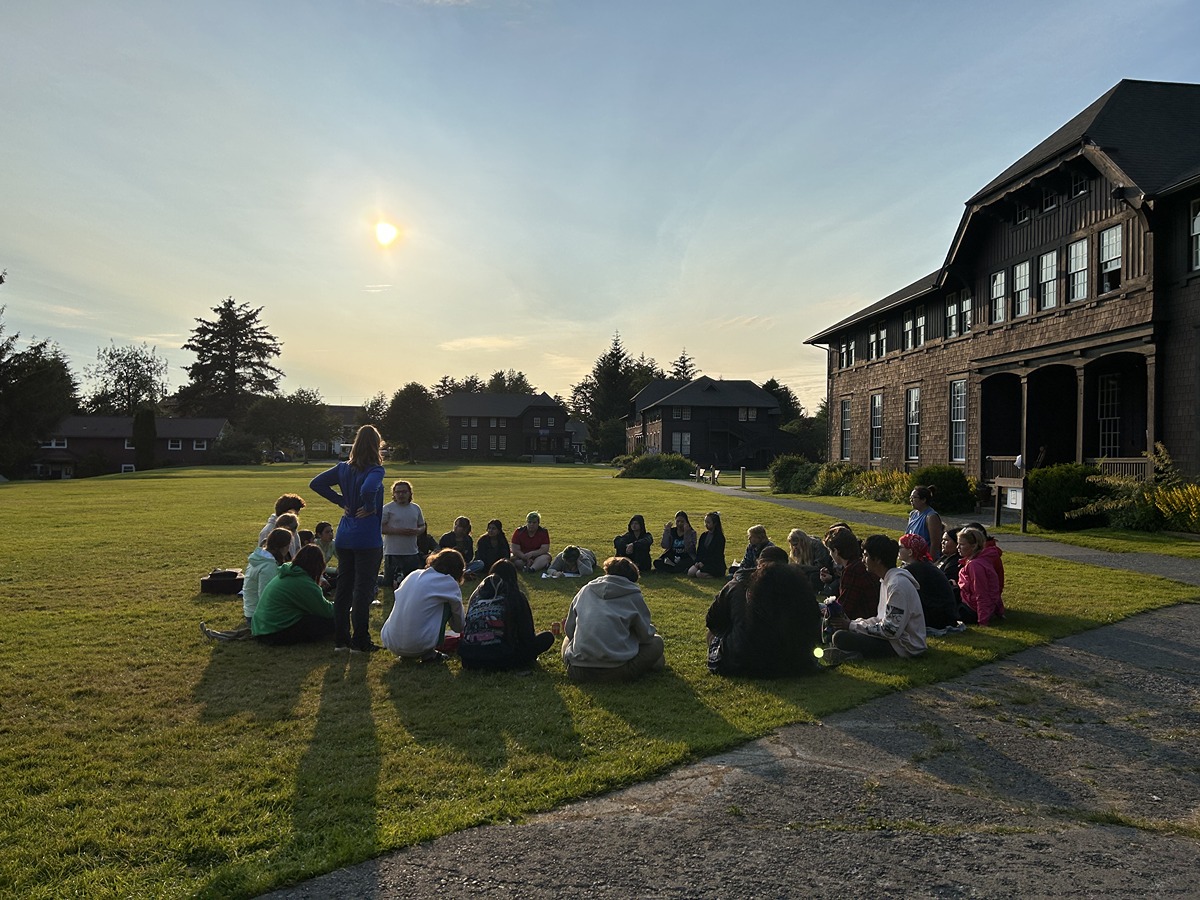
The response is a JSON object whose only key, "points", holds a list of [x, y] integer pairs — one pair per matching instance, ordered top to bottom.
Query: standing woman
{"points": [[924, 519], [359, 540], [679, 544], [710, 551]]}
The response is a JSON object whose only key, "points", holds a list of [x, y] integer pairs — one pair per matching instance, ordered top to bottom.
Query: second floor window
{"points": [[1196, 235], [1110, 259], [1077, 263], [1048, 280], [1021, 289], [999, 297], [951, 329], [877, 341], [846, 354], [537, 421], [550, 421], [912, 423], [877, 426], [175, 444]]}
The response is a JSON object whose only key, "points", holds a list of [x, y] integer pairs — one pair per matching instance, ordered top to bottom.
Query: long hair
{"points": [[366, 452], [717, 527], [279, 545], [800, 548], [311, 560], [506, 574]]}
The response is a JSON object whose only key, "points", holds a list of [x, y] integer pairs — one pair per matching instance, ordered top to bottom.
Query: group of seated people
{"points": [[882, 596]]}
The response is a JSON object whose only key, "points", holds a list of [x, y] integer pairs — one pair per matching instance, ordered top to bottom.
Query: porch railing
{"points": [[1000, 467], [1006, 467]]}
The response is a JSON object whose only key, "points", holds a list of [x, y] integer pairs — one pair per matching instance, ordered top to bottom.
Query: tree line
{"points": [[234, 376]]}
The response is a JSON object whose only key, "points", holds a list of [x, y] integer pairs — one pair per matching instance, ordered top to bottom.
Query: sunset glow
{"points": [[386, 233]]}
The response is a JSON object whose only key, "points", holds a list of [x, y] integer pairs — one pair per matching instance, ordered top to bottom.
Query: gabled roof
{"points": [[917, 289], [654, 391], [705, 391], [510, 406], [122, 427]]}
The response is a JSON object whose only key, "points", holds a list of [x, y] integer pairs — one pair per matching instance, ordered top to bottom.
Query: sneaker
{"points": [[377, 602], [369, 647], [341, 648], [437, 656], [834, 656]]}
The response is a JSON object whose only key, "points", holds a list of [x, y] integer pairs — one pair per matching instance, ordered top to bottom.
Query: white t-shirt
{"points": [[401, 516], [414, 626]]}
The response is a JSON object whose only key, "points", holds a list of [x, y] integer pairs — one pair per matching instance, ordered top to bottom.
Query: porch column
{"points": [[1080, 375], [1151, 433], [1023, 449]]}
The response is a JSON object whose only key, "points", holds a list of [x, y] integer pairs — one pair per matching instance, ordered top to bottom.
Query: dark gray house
{"points": [[504, 426], [101, 445]]}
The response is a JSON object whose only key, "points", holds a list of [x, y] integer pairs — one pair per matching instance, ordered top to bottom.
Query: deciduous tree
{"points": [[233, 362], [124, 378], [373, 412], [311, 419], [414, 419]]}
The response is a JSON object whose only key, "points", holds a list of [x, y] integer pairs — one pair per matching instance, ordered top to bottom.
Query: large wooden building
{"points": [[1064, 323], [484, 426]]}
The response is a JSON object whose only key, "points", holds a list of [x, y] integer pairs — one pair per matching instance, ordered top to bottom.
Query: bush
{"points": [[237, 448], [621, 461], [658, 465], [792, 474], [836, 479], [888, 485], [1054, 491], [952, 492], [1180, 507]]}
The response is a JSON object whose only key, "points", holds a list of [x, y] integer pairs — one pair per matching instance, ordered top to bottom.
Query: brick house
{"points": [[1063, 322], [719, 423], [504, 426], [102, 445]]}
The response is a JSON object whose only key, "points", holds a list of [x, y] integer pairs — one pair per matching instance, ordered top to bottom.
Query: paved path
{"points": [[1066, 770]]}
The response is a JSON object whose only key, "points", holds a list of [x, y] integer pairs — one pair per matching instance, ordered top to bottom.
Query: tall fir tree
{"points": [[233, 362]]}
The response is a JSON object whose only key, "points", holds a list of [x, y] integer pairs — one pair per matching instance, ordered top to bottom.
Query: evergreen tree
{"points": [[233, 362], [684, 368], [124, 378], [510, 382], [601, 399], [789, 403], [414, 419], [145, 433]]}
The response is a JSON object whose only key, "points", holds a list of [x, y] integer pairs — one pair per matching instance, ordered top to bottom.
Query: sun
{"points": [[386, 233]]}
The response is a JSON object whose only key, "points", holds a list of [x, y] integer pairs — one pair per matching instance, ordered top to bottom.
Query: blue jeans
{"points": [[358, 570]]}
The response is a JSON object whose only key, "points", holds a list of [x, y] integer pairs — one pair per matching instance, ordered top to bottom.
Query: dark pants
{"points": [[397, 568], [357, 571], [310, 628], [865, 644], [649, 656]]}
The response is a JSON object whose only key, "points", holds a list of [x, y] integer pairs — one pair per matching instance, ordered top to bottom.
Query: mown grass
{"points": [[141, 760]]}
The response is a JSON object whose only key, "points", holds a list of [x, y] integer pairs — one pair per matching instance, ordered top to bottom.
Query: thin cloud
{"points": [[376, 288], [747, 322], [482, 343]]}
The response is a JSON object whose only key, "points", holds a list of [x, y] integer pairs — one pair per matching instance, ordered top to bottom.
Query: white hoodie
{"points": [[260, 569], [607, 622]]}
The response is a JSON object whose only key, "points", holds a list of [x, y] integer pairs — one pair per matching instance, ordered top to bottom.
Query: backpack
{"points": [[485, 636]]}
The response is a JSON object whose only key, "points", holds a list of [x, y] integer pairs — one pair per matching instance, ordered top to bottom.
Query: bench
{"points": [[699, 475], [714, 475]]}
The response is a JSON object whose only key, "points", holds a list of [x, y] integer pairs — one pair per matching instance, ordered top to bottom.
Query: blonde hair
{"points": [[758, 531], [974, 537], [799, 548]]}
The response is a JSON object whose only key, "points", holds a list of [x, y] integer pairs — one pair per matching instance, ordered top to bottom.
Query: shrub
{"points": [[237, 448], [621, 461], [658, 465], [792, 474], [835, 479], [888, 485], [1055, 491], [952, 492], [1179, 507]]}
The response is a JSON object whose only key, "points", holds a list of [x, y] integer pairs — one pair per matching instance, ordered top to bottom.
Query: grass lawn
{"points": [[140, 760]]}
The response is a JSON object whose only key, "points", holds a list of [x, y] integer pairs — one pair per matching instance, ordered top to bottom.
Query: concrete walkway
{"points": [[1071, 769]]}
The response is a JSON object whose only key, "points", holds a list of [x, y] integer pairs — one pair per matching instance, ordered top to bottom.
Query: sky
{"points": [[725, 178]]}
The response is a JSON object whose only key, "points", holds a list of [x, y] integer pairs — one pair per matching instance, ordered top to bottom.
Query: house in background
{"points": [[1062, 324], [718, 423], [484, 426], [102, 445]]}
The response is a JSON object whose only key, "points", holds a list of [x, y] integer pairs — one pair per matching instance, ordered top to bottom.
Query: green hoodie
{"points": [[286, 599]]}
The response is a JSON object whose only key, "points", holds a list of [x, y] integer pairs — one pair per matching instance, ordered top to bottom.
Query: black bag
{"points": [[222, 581]]}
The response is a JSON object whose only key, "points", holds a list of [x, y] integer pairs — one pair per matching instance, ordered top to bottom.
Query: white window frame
{"points": [[1079, 184], [1049, 199], [1195, 235], [1110, 259], [1077, 271], [1048, 280], [1021, 289], [997, 307], [919, 326], [950, 328], [908, 341], [741, 414], [752, 414], [958, 420], [537, 421], [549, 421], [466, 422], [492, 422], [503, 422], [912, 423], [877, 427], [463, 442], [474, 442], [491, 442], [504, 442], [55, 443], [174, 443], [681, 443], [129, 444], [202, 444], [844, 445], [126, 468]]}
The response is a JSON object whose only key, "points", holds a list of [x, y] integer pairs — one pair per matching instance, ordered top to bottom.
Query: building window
{"points": [[1079, 184], [1049, 199], [1023, 213], [1195, 235], [1110, 259], [1077, 270], [1048, 280], [1021, 289], [999, 298], [966, 314], [909, 327], [919, 327], [951, 328], [877, 341], [846, 355], [1109, 396], [676, 412], [752, 413], [687, 414], [741, 414], [537, 421], [549, 421], [958, 421], [466, 422], [474, 422], [492, 422], [503, 423], [912, 423], [877, 426], [845, 429], [463, 442], [474, 442], [491, 442], [681, 442], [58, 444], [129, 444], [175, 444], [203, 445], [128, 467]]}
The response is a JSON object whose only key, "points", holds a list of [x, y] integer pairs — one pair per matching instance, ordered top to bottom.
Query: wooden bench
{"points": [[716, 473], [699, 475]]}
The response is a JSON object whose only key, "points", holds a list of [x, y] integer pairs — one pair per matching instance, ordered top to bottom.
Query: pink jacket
{"points": [[992, 554], [979, 588]]}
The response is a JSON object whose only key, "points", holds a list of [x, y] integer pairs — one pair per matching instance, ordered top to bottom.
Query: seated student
{"points": [[287, 503], [292, 524], [324, 534], [307, 537], [460, 539], [756, 540], [635, 543], [531, 545], [679, 545], [493, 546], [710, 549], [991, 552], [809, 555], [573, 561], [950, 562], [261, 567], [831, 575], [858, 589], [979, 598], [937, 600], [426, 601], [292, 609], [766, 625], [898, 626], [498, 631], [608, 635]]}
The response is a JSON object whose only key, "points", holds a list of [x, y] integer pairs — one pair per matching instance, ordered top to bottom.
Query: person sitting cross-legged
{"points": [[426, 601], [292, 608], [498, 631], [608, 635]]}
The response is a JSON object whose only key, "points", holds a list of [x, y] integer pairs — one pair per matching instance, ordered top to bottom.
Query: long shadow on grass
{"points": [[246, 678], [483, 715], [334, 805]]}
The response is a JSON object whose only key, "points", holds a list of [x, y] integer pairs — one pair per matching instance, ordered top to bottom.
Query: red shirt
{"points": [[529, 542]]}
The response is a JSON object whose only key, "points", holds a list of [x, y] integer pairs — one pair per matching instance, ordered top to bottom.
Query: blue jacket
{"points": [[358, 490]]}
